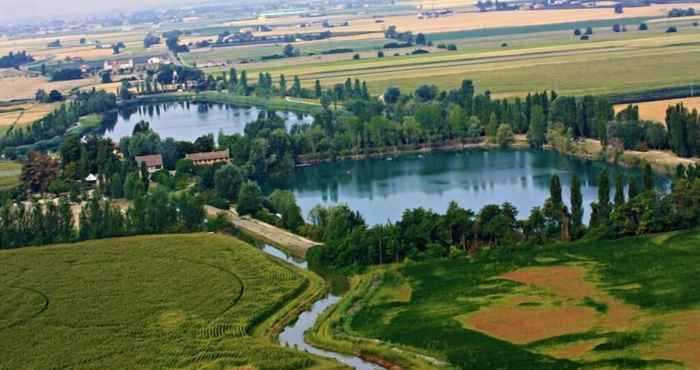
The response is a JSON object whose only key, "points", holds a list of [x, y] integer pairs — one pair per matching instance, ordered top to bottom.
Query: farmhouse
{"points": [[157, 61], [115, 66], [208, 158], [154, 163]]}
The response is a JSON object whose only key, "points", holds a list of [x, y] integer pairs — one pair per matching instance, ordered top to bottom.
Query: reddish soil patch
{"points": [[565, 281], [525, 325]]}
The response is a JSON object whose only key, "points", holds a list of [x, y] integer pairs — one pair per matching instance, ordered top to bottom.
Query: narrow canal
{"points": [[293, 335]]}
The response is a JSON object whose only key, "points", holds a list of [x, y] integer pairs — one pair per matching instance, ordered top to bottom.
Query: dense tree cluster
{"points": [[679, 12], [14, 60], [67, 74]]}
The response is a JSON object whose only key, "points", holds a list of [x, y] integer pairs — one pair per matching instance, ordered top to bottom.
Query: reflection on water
{"points": [[188, 121], [381, 189]]}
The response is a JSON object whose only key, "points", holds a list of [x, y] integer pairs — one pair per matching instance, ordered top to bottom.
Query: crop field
{"points": [[477, 20], [71, 47], [237, 53], [613, 66], [26, 87], [656, 110], [22, 115], [154, 302], [586, 305]]}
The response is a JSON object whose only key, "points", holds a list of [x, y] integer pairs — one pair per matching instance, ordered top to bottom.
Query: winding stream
{"points": [[293, 335]]}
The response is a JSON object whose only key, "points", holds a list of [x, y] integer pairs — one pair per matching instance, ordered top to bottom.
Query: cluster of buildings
{"points": [[154, 163]]}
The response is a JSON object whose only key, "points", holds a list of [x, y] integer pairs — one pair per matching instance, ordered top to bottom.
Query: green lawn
{"points": [[153, 302], [636, 306]]}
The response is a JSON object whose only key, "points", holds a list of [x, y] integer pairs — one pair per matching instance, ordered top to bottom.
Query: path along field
{"points": [[656, 110], [289, 241], [152, 302], [630, 303]]}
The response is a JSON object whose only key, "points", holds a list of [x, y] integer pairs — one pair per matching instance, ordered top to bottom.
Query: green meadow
{"points": [[587, 305]]}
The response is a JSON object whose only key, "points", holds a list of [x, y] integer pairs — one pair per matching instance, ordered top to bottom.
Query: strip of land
{"points": [[293, 243]]}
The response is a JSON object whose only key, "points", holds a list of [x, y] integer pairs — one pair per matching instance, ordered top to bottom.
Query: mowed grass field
{"points": [[656, 110], [154, 302], [630, 303]]}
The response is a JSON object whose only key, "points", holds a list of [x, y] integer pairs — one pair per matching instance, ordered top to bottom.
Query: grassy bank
{"points": [[274, 103], [9, 175], [177, 301], [580, 305]]}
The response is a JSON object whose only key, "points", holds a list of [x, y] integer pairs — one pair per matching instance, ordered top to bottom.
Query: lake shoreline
{"points": [[589, 150]]}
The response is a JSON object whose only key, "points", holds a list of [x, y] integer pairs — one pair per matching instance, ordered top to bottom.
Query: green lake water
{"points": [[382, 188]]}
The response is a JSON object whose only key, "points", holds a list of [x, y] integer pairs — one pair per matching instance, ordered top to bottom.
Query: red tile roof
{"points": [[209, 156], [155, 160]]}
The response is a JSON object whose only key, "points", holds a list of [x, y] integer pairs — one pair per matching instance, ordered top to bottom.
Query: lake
{"points": [[188, 121], [382, 188]]}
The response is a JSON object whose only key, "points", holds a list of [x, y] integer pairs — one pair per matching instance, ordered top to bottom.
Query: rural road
{"points": [[273, 234]]}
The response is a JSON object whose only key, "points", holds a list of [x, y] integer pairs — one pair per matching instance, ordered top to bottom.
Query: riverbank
{"points": [[662, 161], [315, 289], [332, 331]]}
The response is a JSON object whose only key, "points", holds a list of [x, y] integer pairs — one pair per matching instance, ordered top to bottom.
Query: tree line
{"points": [[56, 123], [636, 208]]}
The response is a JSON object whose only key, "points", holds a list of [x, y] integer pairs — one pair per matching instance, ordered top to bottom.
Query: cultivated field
{"points": [[476, 20], [71, 47], [610, 66], [26, 87], [656, 110], [23, 114], [153, 302], [585, 305]]}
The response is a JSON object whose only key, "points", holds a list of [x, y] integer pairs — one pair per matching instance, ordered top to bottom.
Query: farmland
{"points": [[530, 62], [25, 87], [656, 110], [22, 114], [183, 301], [582, 305]]}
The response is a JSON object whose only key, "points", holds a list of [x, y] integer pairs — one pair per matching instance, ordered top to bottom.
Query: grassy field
{"points": [[9, 174], [156, 302], [585, 305]]}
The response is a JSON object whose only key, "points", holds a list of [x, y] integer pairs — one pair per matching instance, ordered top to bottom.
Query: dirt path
{"points": [[283, 238]]}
